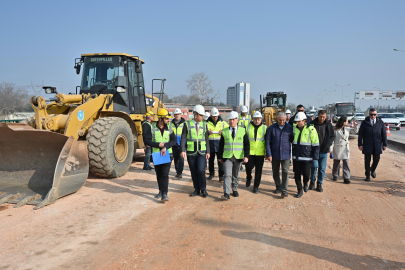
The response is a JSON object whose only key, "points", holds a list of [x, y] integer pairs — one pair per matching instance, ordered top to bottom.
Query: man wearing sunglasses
{"points": [[300, 108], [372, 141]]}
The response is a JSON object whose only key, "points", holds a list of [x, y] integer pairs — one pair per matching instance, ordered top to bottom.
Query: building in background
{"points": [[238, 95]]}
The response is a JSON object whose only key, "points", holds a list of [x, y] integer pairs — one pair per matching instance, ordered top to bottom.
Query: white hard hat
{"points": [[199, 109], [244, 109], [177, 111], [288, 111], [214, 112], [257, 114], [233, 115], [206, 116], [300, 116]]}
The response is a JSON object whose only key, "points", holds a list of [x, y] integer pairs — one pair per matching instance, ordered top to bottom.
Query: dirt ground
{"points": [[117, 224]]}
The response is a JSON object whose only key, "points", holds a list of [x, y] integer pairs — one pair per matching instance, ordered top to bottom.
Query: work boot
{"points": [[373, 174], [179, 176], [210, 177], [334, 178], [221, 179], [367, 179], [248, 181], [346, 181], [311, 186], [306, 187], [319, 188], [255, 190], [277, 191], [195, 193], [204, 193], [235, 193], [284, 194], [299, 194], [159, 195], [164, 197], [225, 197]]}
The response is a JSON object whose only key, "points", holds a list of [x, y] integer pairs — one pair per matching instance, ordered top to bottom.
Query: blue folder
{"points": [[159, 159]]}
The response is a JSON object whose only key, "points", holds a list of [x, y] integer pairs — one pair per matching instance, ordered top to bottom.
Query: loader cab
{"points": [[118, 74], [275, 99]]}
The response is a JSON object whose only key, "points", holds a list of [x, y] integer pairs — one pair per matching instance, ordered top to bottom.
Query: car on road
{"points": [[359, 116], [401, 117], [391, 119]]}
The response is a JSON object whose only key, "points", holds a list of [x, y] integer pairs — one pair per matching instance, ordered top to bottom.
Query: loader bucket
{"points": [[38, 167]]}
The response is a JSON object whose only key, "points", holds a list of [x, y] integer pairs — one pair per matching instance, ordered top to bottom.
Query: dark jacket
{"points": [[292, 122], [329, 134], [147, 137], [372, 138], [278, 142], [183, 143], [214, 144], [246, 147]]}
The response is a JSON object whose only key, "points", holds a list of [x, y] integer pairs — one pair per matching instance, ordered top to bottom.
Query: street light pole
{"points": [[399, 50], [342, 88], [379, 92], [329, 93]]}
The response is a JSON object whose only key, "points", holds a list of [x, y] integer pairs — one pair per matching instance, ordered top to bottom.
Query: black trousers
{"points": [[178, 160], [367, 160], [257, 163], [211, 165], [301, 168], [162, 175]]}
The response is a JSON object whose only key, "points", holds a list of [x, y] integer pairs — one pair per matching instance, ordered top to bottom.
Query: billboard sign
{"points": [[372, 94], [386, 95], [400, 95]]}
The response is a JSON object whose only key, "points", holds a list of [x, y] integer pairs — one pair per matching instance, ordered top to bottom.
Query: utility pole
{"points": [[342, 88], [379, 92]]}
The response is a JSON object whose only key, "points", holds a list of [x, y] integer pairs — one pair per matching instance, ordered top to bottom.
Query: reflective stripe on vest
{"points": [[244, 123], [219, 126], [157, 137], [305, 140], [196, 142], [233, 147], [257, 147]]}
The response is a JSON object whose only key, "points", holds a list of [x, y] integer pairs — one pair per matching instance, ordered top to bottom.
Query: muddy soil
{"points": [[117, 224]]}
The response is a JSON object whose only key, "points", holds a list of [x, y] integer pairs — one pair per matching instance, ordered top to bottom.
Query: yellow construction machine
{"points": [[271, 105], [97, 129]]}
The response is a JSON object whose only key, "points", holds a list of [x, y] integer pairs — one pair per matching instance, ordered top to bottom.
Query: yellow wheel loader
{"points": [[271, 105], [97, 129]]}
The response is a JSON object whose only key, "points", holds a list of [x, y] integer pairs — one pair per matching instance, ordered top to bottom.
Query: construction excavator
{"points": [[271, 105], [97, 129]]}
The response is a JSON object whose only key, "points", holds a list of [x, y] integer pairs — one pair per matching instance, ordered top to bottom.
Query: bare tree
{"points": [[199, 84], [13, 98], [291, 107]]}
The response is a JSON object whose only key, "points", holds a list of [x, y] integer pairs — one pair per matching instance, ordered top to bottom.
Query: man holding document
{"points": [[161, 140]]}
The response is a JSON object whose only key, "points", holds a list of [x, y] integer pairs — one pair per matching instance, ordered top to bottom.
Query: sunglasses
{"points": [[301, 110], [373, 114]]}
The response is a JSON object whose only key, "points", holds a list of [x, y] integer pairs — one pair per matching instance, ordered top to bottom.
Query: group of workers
{"points": [[245, 139]]}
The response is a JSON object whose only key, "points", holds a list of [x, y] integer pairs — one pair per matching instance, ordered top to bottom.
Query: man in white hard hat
{"points": [[300, 108], [288, 115], [206, 116], [244, 117], [176, 125], [215, 127], [256, 132], [195, 145], [234, 149], [305, 150]]}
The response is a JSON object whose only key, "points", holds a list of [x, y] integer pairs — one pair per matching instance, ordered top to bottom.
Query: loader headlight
{"points": [[50, 90]]}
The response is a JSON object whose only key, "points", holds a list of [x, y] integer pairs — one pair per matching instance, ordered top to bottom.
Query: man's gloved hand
{"points": [[315, 163]]}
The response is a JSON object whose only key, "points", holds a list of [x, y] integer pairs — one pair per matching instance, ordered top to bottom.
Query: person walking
{"points": [[300, 108], [288, 115], [244, 117], [176, 125], [215, 127], [256, 132], [326, 136], [159, 138], [372, 141], [195, 145], [234, 148], [305, 149], [341, 150], [148, 151], [278, 152]]}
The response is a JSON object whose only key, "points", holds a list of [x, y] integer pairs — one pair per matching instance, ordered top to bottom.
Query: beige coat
{"points": [[340, 146]]}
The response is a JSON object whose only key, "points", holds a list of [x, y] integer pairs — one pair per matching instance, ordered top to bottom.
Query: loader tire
{"points": [[111, 148]]}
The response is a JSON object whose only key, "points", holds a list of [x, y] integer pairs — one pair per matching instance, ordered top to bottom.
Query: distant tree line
{"points": [[14, 99]]}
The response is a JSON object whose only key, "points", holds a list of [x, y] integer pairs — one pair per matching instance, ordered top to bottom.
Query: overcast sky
{"points": [[299, 47]]}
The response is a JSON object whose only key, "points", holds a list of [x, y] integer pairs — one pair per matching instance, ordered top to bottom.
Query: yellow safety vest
{"points": [[244, 123], [219, 126], [177, 131], [157, 137], [196, 142], [258, 146], [233, 147], [302, 149]]}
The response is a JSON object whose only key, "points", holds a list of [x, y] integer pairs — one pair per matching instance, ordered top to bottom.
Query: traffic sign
{"points": [[372, 94], [386, 95], [400, 95]]}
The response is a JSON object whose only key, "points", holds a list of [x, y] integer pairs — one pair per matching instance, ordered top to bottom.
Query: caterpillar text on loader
{"points": [[273, 103], [96, 129]]}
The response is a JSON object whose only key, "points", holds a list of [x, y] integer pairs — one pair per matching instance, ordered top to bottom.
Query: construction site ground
{"points": [[117, 224]]}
